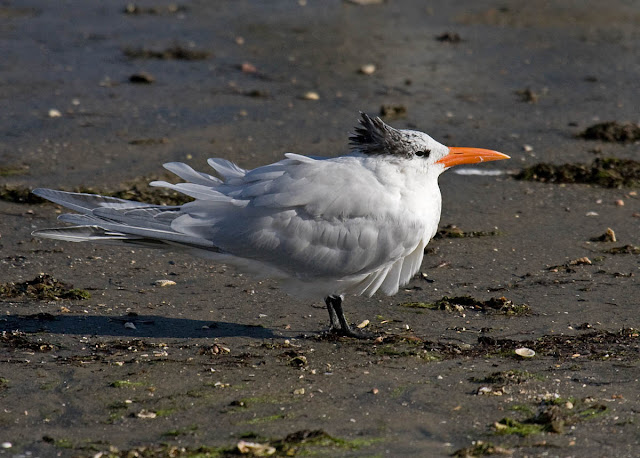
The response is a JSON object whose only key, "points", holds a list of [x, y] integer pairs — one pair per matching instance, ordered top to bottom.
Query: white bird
{"points": [[323, 227]]}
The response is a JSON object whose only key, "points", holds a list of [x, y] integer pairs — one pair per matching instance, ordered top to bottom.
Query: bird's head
{"points": [[374, 137]]}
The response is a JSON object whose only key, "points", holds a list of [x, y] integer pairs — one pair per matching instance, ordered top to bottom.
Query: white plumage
{"points": [[323, 227]]}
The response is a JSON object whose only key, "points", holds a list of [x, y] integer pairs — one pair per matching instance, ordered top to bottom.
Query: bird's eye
{"points": [[424, 153]]}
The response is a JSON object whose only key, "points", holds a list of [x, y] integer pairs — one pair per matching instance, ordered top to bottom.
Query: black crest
{"points": [[375, 137]]}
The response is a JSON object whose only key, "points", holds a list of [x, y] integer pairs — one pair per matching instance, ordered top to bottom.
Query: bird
{"points": [[323, 227]]}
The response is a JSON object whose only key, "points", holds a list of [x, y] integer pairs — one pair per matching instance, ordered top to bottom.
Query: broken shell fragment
{"points": [[364, 324], [525, 352], [146, 414], [255, 449]]}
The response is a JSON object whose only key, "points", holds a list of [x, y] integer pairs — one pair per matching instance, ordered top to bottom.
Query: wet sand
{"points": [[216, 359]]}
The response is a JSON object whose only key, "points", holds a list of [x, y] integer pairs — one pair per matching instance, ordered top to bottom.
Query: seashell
{"points": [[525, 352]]}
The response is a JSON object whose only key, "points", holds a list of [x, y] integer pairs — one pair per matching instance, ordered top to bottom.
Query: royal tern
{"points": [[323, 227]]}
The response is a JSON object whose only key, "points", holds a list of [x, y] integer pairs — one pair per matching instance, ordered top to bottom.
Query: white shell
{"points": [[525, 352]]}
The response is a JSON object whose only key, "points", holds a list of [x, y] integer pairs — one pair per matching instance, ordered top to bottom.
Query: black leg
{"points": [[333, 318], [339, 323]]}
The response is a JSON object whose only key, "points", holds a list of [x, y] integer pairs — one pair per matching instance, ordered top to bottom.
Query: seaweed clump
{"points": [[172, 53], [612, 131], [605, 172], [137, 190], [451, 231], [43, 287], [500, 305]]}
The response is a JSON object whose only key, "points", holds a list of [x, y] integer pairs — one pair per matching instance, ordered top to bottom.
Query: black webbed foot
{"points": [[339, 324]]}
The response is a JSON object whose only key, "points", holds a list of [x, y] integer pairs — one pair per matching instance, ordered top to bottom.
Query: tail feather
{"points": [[226, 169], [188, 174], [85, 203], [112, 220], [80, 234]]}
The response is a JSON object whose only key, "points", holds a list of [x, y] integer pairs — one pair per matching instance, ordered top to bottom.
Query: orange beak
{"points": [[459, 156]]}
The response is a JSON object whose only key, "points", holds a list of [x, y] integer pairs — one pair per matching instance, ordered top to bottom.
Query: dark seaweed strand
{"points": [[375, 137]]}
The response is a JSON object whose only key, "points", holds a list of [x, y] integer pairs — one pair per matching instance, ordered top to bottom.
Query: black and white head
{"points": [[375, 138]]}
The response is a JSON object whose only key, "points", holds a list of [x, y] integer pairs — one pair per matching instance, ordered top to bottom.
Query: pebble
{"points": [[247, 67], [368, 69], [142, 78], [311, 95], [53, 113], [619, 203], [610, 235], [164, 283], [130, 325], [6, 445]]}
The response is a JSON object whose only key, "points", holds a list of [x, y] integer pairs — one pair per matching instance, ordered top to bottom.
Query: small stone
{"points": [[449, 37], [246, 67], [368, 69], [141, 78], [311, 95], [53, 113], [527, 148], [619, 203], [608, 236], [164, 283], [130, 325], [298, 391], [375, 391], [146, 414], [6, 445]]}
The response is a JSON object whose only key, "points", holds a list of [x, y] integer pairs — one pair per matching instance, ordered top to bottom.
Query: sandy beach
{"points": [[520, 335]]}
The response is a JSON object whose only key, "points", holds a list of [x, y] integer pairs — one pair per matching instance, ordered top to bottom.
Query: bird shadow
{"points": [[130, 326]]}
